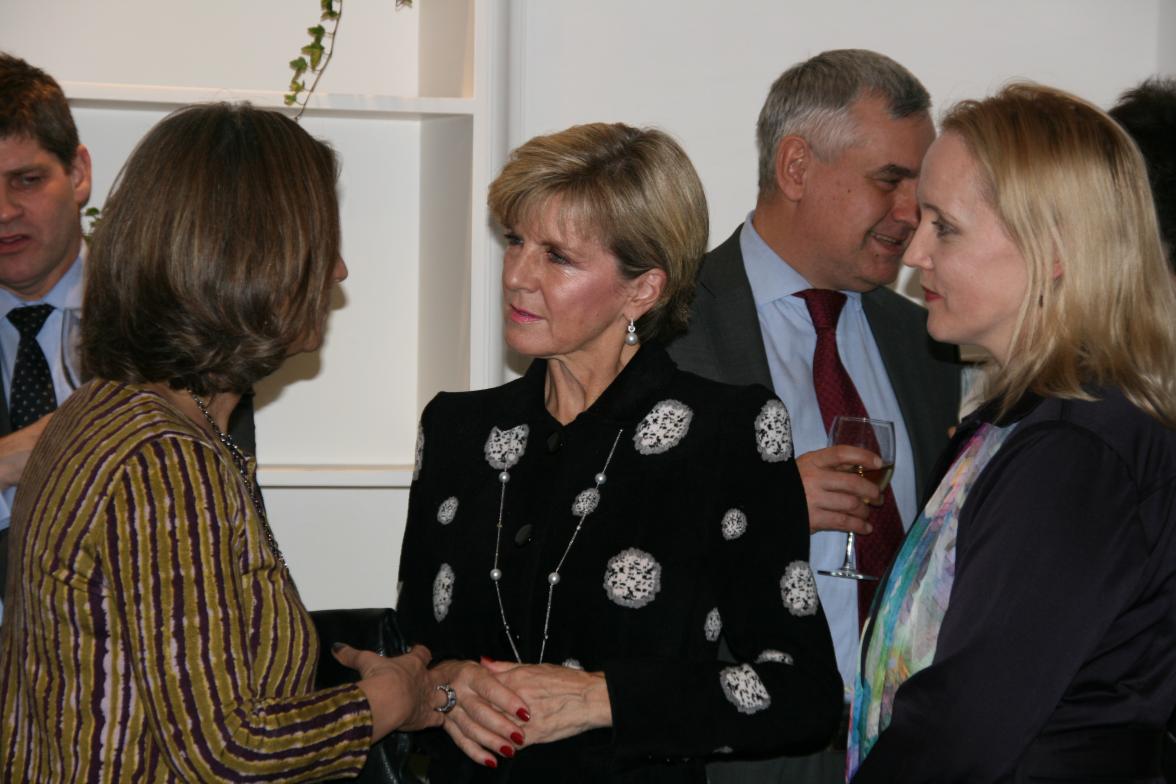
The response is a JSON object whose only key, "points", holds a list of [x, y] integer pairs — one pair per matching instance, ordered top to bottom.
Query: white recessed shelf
{"points": [[98, 94], [337, 476]]}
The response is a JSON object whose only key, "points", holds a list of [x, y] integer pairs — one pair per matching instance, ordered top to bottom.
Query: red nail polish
{"points": [[523, 714], [517, 737], [506, 751], [490, 763]]}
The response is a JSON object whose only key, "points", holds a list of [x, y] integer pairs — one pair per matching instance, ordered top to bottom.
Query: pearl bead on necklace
{"points": [[585, 503]]}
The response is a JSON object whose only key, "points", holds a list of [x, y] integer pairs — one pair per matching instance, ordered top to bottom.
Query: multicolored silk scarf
{"points": [[905, 627]]}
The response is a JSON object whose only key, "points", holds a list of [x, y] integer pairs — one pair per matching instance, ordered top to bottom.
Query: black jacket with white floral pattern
{"points": [[698, 529]]}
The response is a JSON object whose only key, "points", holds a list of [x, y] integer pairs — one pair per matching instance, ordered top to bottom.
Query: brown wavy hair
{"points": [[32, 105], [213, 259]]}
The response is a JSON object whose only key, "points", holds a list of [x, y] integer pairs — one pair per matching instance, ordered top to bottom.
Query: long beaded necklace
{"points": [[242, 465], [585, 504]]}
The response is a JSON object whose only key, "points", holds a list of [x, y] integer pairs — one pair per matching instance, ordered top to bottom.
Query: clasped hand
{"points": [[502, 706]]}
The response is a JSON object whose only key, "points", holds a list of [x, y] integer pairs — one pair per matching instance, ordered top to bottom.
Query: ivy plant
{"points": [[315, 56]]}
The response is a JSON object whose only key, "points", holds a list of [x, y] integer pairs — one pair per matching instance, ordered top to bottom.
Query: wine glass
{"points": [[71, 337], [877, 436]]}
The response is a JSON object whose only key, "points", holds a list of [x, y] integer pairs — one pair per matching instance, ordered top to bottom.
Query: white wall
{"points": [[697, 68], [701, 69]]}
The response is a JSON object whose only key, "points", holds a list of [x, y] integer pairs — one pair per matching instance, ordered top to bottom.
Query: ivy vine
{"points": [[316, 56], [313, 59], [93, 215]]}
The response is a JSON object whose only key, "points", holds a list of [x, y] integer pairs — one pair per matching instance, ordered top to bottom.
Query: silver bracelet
{"points": [[450, 697]]}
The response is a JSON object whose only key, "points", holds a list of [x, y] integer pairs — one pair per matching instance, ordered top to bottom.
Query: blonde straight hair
{"points": [[634, 189], [1072, 192]]}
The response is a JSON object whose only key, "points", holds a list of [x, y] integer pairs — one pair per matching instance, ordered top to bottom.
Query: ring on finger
{"points": [[450, 697]]}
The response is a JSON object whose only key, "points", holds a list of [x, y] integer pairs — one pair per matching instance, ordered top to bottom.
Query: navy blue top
{"points": [[701, 529]]}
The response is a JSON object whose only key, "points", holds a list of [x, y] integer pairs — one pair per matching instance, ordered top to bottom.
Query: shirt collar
{"points": [[771, 277], [66, 294], [624, 402]]}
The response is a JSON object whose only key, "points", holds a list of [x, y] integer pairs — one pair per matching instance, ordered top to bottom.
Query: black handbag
{"points": [[373, 629]]}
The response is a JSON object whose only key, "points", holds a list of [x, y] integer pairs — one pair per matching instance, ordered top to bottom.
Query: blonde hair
{"points": [[634, 188], [1072, 192]]}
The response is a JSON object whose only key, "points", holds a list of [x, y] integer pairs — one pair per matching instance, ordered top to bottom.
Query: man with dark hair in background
{"points": [[1148, 114], [44, 182], [797, 300]]}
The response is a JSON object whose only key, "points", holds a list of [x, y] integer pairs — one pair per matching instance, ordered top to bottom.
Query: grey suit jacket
{"points": [[724, 343]]}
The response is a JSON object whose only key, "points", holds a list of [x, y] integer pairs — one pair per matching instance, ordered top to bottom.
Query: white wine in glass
{"points": [[874, 435]]}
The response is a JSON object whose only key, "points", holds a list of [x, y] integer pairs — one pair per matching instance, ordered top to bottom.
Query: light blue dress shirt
{"points": [[66, 299], [790, 339]]}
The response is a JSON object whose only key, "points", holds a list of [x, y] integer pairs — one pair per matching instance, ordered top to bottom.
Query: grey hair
{"points": [[813, 100]]}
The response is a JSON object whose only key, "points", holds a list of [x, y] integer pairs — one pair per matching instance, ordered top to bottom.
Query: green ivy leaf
{"points": [[318, 31], [315, 52], [298, 64], [290, 99]]}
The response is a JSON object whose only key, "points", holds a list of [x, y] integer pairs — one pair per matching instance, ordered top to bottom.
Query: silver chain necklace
{"points": [[241, 463], [586, 503]]}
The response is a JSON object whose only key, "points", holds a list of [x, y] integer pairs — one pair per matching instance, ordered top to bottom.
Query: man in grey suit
{"points": [[841, 141]]}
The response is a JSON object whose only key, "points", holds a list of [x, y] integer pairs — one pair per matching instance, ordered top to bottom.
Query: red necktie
{"points": [[836, 394]]}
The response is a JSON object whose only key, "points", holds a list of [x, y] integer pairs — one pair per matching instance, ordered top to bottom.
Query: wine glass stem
{"points": [[850, 554]]}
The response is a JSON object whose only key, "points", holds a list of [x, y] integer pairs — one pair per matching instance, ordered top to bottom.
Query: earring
{"points": [[631, 337]]}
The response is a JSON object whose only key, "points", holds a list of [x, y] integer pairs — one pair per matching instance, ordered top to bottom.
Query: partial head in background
{"points": [[1148, 113], [841, 138], [45, 175], [570, 201], [1038, 240], [216, 254]]}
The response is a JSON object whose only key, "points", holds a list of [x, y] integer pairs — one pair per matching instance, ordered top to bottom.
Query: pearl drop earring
{"points": [[631, 337]]}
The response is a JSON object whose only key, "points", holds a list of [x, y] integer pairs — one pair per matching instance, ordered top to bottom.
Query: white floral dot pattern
{"points": [[663, 427], [773, 432], [504, 447], [420, 452], [586, 501], [447, 511], [734, 524], [632, 578], [798, 589], [442, 592], [713, 626], [773, 655], [573, 664], [744, 689], [724, 750]]}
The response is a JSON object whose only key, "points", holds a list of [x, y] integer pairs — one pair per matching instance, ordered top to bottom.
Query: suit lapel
{"points": [[739, 346], [905, 362]]}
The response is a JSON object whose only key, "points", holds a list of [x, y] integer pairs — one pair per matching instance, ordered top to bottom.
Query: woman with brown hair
{"points": [[592, 529], [1025, 631], [153, 632]]}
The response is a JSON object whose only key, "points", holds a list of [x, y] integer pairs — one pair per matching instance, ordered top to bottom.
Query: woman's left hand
{"points": [[563, 701]]}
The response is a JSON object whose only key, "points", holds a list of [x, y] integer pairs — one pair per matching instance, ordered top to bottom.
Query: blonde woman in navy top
{"points": [[1026, 630]]}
